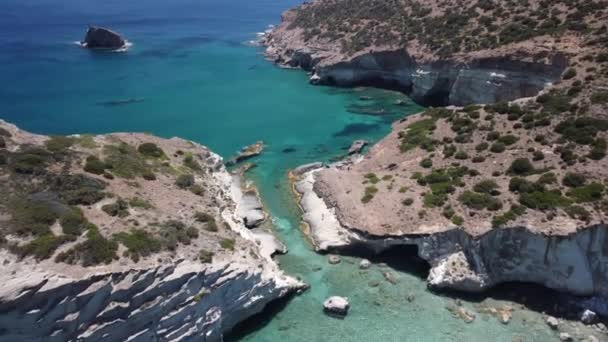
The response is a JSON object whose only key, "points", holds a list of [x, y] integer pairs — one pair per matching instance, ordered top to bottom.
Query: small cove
{"points": [[190, 74]]}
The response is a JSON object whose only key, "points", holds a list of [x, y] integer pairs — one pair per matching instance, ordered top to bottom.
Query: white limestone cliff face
{"points": [[485, 80], [576, 263], [164, 297], [181, 301]]}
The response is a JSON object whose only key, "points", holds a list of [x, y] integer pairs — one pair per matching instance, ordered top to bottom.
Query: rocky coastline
{"points": [[509, 73], [574, 263], [178, 295]]}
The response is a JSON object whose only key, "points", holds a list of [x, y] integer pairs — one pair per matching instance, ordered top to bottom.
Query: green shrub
{"points": [[569, 73], [599, 97], [581, 130], [418, 134], [493, 136], [508, 139], [2, 142], [58, 143], [482, 146], [497, 147], [150, 150], [598, 150], [448, 151], [461, 155], [538, 156], [3, 159], [478, 159], [30, 160], [125, 161], [191, 163], [426, 163], [94, 165], [521, 166], [372, 178], [547, 178], [572, 179], [185, 181], [519, 185], [486, 186], [197, 190], [587, 193], [369, 194], [84, 196], [542, 200], [479, 201], [137, 202], [407, 202], [119, 208], [448, 212], [578, 212], [512, 214], [31, 218], [209, 220], [457, 220], [73, 222], [174, 232], [139, 243], [227, 244], [43, 247], [95, 250], [205, 256]]}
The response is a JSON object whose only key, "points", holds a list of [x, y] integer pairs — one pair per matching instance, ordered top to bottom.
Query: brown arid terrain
{"points": [[440, 52], [505, 178], [104, 236]]}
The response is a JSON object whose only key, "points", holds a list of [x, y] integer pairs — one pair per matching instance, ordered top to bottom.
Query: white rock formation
{"points": [[575, 263], [365, 264], [173, 298], [336, 305]]}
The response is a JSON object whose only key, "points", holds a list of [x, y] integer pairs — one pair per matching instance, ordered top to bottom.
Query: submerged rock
{"points": [[102, 38], [357, 146], [334, 259], [365, 264], [336, 305], [588, 317], [552, 322], [565, 337]]}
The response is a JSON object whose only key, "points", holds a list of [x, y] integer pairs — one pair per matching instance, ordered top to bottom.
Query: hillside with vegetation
{"points": [[446, 28]]}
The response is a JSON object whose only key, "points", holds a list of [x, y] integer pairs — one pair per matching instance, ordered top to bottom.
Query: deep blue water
{"points": [[190, 73]]}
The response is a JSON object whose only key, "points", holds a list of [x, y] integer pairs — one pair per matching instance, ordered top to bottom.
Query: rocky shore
{"points": [[503, 73], [573, 263], [160, 284]]}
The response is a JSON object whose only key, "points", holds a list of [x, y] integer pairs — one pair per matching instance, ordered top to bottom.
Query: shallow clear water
{"points": [[190, 74]]}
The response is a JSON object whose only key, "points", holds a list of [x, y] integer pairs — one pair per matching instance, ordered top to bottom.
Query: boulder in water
{"points": [[102, 38], [357, 146], [365, 264], [336, 305], [588, 317]]}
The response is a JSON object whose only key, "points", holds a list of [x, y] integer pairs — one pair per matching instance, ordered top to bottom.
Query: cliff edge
{"points": [[125, 237]]}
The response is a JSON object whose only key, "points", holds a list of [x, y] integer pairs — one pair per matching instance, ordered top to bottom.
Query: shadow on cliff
{"points": [[402, 258], [259, 320]]}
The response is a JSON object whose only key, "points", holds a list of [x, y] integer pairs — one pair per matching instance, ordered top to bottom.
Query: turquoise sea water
{"points": [[190, 74]]}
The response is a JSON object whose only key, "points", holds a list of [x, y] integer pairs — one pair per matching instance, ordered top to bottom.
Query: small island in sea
{"points": [[500, 181]]}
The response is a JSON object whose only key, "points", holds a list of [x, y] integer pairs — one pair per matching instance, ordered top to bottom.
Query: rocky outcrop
{"points": [[103, 38], [438, 83], [576, 263], [196, 290], [182, 301], [336, 305]]}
